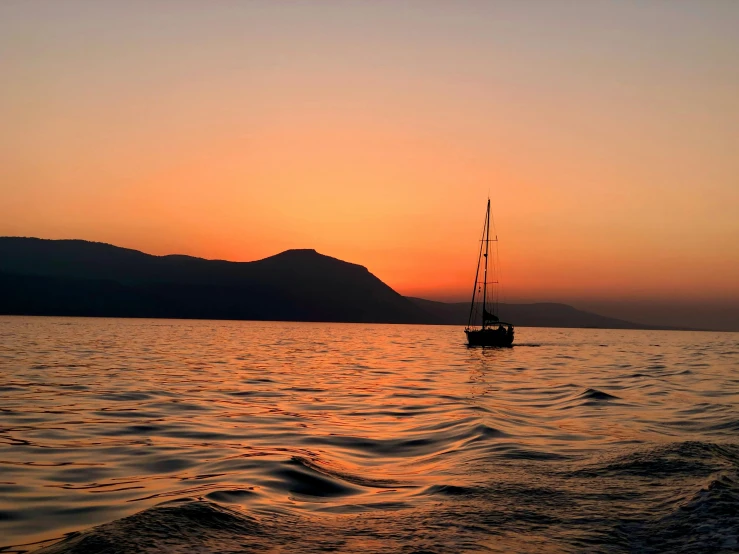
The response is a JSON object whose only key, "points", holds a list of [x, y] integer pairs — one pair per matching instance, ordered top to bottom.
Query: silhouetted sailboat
{"points": [[484, 328]]}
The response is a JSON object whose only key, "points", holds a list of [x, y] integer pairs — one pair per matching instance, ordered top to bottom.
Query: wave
{"points": [[596, 395], [584, 398], [379, 439], [689, 459], [337, 474], [556, 504], [708, 521], [179, 526]]}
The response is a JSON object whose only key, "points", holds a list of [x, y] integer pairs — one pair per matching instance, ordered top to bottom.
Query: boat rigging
{"points": [[490, 331]]}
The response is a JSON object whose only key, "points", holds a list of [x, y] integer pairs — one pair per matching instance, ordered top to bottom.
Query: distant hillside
{"points": [[74, 277], [80, 278], [543, 314]]}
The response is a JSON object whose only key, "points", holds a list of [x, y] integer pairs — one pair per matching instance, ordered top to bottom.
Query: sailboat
{"points": [[484, 328]]}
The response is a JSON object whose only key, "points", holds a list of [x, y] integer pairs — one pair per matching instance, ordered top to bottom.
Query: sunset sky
{"points": [[605, 132]]}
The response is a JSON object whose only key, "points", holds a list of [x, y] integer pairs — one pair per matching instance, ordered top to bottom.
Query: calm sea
{"points": [[207, 436]]}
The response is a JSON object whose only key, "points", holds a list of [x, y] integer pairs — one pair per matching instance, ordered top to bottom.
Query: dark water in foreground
{"points": [[203, 436]]}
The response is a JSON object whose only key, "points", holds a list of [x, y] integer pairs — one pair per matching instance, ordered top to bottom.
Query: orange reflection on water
{"points": [[110, 417]]}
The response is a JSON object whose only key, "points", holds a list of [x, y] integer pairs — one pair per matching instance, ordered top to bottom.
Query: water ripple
{"points": [[136, 436]]}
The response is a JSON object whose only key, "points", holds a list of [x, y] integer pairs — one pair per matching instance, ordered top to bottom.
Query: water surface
{"points": [[196, 436]]}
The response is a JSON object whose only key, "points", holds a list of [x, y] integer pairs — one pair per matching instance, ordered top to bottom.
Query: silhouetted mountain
{"points": [[74, 277], [80, 278], [541, 314]]}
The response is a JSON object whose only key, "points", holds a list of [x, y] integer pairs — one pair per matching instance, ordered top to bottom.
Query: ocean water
{"points": [[207, 436]]}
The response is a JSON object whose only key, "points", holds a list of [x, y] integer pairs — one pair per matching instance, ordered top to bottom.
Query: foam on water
{"points": [[150, 436]]}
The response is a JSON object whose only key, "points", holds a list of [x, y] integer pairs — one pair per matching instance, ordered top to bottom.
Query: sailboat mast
{"points": [[487, 248], [477, 283]]}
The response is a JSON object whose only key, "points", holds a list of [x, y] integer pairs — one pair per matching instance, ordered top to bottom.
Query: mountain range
{"points": [[81, 278]]}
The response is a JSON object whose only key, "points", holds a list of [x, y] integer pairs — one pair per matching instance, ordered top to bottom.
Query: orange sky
{"points": [[605, 133]]}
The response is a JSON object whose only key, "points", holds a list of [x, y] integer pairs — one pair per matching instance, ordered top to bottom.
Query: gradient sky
{"points": [[605, 132]]}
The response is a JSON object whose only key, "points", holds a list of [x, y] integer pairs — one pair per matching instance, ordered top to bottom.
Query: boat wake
{"points": [[565, 505]]}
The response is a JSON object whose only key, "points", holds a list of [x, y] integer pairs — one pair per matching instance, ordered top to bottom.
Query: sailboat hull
{"points": [[488, 337]]}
